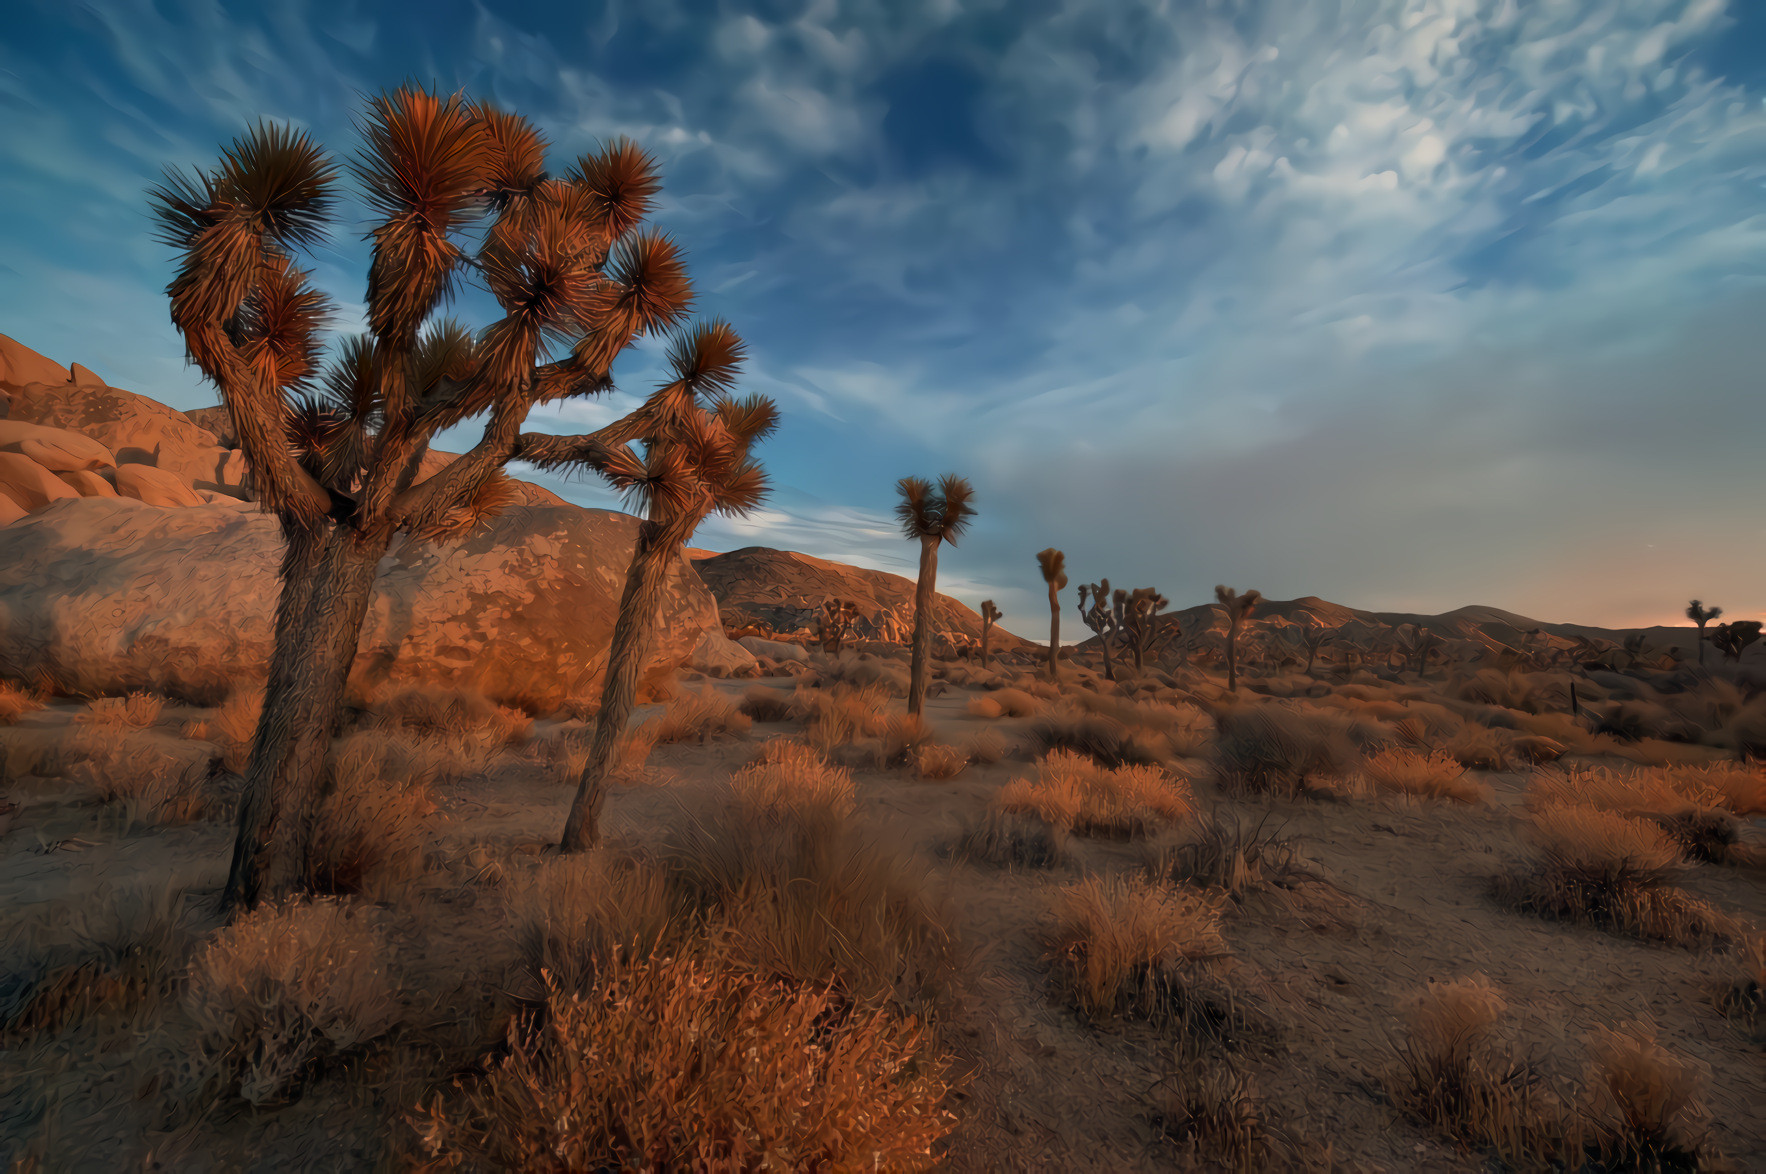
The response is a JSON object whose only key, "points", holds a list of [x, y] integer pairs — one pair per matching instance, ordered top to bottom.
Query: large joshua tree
{"points": [[335, 456], [696, 462], [930, 517], [1054, 573], [1238, 609], [1137, 615], [1701, 615]]}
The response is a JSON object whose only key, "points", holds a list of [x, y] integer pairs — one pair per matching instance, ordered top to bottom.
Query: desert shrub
{"points": [[868, 672], [1510, 690], [16, 701], [1017, 702], [766, 705], [984, 707], [137, 709], [699, 717], [835, 717], [1634, 721], [470, 724], [232, 726], [1745, 732], [1098, 736], [900, 739], [986, 747], [1274, 748], [1477, 748], [1537, 749], [567, 754], [934, 761], [1432, 776], [154, 779], [794, 780], [1738, 788], [1079, 795], [1688, 803], [373, 823], [1006, 839], [1232, 856], [1610, 870], [804, 893], [571, 916], [1129, 946], [113, 951], [283, 990], [1744, 999], [681, 1063], [1448, 1074], [1646, 1111], [1215, 1116]]}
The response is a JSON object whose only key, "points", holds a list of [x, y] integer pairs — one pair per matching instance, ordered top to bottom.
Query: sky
{"points": [[1408, 304]]}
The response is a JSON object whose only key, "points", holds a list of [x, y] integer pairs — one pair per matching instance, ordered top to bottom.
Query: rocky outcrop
{"points": [[784, 591], [104, 595]]}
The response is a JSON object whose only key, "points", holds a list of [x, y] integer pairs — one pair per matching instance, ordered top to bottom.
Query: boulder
{"points": [[20, 365], [216, 419], [135, 429], [56, 449], [86, 483], [28, 484], [154, 486], [10, 511], [110, 594], [777, 650], [717, 655]]}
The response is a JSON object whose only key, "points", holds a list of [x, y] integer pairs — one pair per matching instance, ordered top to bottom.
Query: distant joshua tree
{"points": [[453, 187], [930, 517], [1054, 573], [1238, 609], [1137, 615], [1701, 615], [989, 617], [1100, 618], [836, 620], [1313, 636], [1733, 639], [1416, 647], [1636, 648]]}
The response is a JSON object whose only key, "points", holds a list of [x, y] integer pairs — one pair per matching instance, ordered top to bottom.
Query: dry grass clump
{"points": [[868, 672], [1509, 690], [16, 701], [1017, 702], [762, 704], [984, 707], [139, 710], [837, 716], [700, 717], [469, 723], [232, 726], [1096, 735], [900, 739], [987, 746], [1271, 748], [1478, 748], [568, 753], [935, 762], [1438, 775], [793, 779], [156, 783], [1736, 787], [1077, 795], [1691, 804], [373, 823], [1006, 839], [1234, 857], [1610, 870], [803, 892], [570, 918], [1129, 946], [113, 951], [283, 990], [1745, 999], [685, 1063], [1450, 1076], [1646, 1111], [1215, 1116]]}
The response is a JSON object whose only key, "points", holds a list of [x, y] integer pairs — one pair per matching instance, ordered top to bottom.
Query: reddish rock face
{"points": [[108, 594]]}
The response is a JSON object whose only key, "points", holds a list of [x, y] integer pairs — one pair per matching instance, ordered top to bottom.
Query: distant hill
{"points": [[785, 591]]}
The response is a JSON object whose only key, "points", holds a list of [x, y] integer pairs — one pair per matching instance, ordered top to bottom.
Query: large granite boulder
{"points": [[109, 594]]}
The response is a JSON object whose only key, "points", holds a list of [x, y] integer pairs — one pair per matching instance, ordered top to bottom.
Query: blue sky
{"points": [[1405, 303]]}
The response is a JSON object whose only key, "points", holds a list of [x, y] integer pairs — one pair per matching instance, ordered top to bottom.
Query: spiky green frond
{"points": [[282, 179], [621, 179], [707, 357], [750, 419], [956, 499], [915, 510]]}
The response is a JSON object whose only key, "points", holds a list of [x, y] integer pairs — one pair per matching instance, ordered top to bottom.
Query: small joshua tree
{"points": [[453, 188], [696, 462], [930, 517], [1054, 573], [1237, 609], [1701, 615], [1137, 616], [989, 617], [837, 618], [1100, 618], [1313, 636], [1733, 639], [1416, 646], [1636, 648]]}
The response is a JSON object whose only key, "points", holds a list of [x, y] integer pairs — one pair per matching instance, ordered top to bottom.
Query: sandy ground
{"points": [[1402, 901]]}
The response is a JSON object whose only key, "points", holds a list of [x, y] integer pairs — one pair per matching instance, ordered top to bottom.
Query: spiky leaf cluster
{"points": [[938, 514]]}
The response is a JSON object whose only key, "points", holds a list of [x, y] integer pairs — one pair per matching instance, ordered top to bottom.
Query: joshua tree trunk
{"points": [[644, 583], [318, 625], [984, 634], [1054, 634], [1702, 643], [1232, 657], [921, 663], [1109, 666]]}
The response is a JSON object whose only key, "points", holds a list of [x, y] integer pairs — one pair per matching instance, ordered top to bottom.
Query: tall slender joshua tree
{"points": [[336, 458], [696, 462], [929, 516], [1054, 573], [1238, 609], [1701, 615], [989, 617]]}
